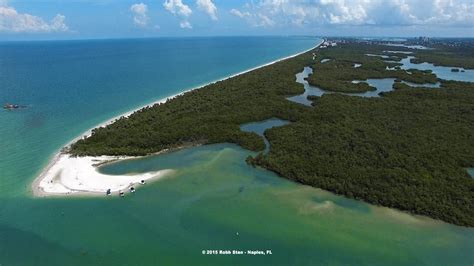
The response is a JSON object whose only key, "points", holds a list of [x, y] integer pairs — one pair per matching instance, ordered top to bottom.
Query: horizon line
{"points": [[226, 36]]}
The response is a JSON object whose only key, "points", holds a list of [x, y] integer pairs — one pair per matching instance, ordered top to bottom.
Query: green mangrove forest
{"points": [[407, 149]]}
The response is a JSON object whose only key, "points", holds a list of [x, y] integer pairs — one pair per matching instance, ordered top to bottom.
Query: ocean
{"points": [[213, 204]]}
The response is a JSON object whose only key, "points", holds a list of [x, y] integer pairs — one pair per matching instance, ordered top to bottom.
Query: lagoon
{"points": [[441, 72], [381, 85], [261, 126]]}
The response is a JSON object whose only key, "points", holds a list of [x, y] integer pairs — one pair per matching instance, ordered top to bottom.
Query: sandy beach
{"points": [[66, 175], [79, 175]]}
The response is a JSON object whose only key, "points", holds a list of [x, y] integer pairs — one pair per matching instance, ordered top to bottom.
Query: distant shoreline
{"points": [[59, 155]]}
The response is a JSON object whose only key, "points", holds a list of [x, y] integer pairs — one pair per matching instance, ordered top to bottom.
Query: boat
{"points": [[10, 106], [142, 182], [132, 189], [108, 192], [121, 194]]}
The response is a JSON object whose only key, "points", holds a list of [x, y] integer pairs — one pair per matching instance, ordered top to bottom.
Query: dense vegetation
{"points": [[459, 56], [209, 115], [406, 149]]}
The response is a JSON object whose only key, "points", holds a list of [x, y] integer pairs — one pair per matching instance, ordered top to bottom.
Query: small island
{"points": [[406, 148]]}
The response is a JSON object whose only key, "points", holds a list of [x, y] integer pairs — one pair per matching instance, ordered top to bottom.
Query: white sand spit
{"points": [[79, 175]]}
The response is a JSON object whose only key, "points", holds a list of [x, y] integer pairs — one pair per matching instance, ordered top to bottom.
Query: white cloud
{"points": [[209, 7], [178, 8], [340, 12], [358, 12], [454, 12], [140, 14], [239, 14], [255, 19], [12, 21], [264, 21], [58, 23], [185, 24]]}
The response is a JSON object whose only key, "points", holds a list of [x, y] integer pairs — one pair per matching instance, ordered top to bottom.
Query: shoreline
{"points": [[87, 133], [61, 156], [78, 176]]}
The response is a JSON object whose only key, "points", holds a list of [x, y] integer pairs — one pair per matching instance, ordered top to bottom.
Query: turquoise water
{"points": [[71, 86], [212, 200]]}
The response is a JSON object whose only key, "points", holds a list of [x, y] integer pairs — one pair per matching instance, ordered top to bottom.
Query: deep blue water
{"points": [[71, 86]]}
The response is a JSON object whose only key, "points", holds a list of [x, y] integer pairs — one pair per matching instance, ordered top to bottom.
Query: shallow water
{"points": [[420, 47], [398, 52], [378, 55], [440, 71], [381, 85], [386, 85], [424, 85], [308, 89], [260, 127], [470, 171], [216, 201]]}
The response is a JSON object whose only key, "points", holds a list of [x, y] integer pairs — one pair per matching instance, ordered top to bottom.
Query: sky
{"points": [[90, 19]]}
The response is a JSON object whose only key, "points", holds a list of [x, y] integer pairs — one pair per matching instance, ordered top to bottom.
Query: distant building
{"points": [[327, 44]]}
